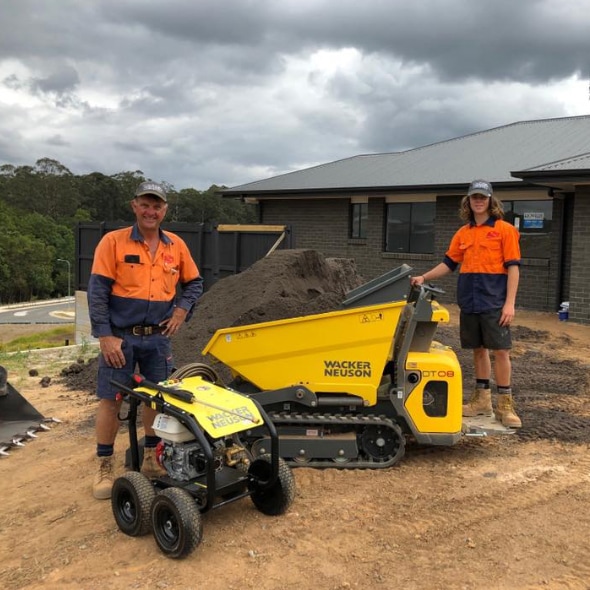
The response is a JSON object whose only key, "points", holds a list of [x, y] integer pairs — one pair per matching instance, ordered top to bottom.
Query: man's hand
{"points": [[507, 316], [173, 324], [110, 347]]}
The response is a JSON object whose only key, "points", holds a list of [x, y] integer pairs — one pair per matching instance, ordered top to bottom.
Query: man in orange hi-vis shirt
{"points": [[488, 252], [134, 311]]}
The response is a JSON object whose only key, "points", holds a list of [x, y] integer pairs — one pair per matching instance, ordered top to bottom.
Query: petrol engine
{"points": [[182, 456]]}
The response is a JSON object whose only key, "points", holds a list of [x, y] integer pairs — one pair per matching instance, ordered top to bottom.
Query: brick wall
{"points": [[323, 224], [565, 258], [579, 293]]}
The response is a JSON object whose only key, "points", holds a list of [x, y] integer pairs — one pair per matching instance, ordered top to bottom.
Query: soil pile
{"points": [[285, 284]]}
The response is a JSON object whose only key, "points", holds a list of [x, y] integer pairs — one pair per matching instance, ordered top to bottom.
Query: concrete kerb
{"points": [[37, 303]]}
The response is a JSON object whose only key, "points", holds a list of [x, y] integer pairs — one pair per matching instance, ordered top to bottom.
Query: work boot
{"points": [[480, 403], [505, 413], [150, 466], [104, 478]]}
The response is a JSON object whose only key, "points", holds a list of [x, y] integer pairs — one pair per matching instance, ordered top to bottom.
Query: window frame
{"points": [[358, 220], [410, 226], [541, 247]]}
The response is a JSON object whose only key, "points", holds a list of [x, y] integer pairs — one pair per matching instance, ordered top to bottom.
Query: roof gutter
{"points": [[581, 174], [444, 189]]}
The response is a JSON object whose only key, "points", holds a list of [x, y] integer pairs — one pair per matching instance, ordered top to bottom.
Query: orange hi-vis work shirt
{"points": [[484, 252], [127, 287]]}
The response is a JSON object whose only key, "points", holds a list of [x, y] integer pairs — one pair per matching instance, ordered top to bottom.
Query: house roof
{"points": [[539, 146], [580, 161]]}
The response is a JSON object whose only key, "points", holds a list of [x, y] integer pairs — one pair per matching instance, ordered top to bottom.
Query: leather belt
{"points": [[142, 330]]}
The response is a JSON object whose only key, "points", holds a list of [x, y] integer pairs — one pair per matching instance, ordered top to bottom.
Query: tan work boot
{"points": [[480, 403], [505, 413], [150, 466], [104, 478]]}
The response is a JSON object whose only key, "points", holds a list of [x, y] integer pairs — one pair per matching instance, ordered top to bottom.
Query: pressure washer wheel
{"points": [[276, 498], [131, 501], [176, 522]]}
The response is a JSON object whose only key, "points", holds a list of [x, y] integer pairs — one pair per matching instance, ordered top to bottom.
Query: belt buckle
{"points": [[138, 331]]}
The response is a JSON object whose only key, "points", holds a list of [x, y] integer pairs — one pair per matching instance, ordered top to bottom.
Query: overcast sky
{"points": [[197, 92]]}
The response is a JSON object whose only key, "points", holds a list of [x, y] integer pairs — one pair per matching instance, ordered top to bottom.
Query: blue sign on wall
{"points": [[533, 220]]}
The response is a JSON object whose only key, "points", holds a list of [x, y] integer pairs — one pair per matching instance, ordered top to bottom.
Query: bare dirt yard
{"points": [[505, 512]]}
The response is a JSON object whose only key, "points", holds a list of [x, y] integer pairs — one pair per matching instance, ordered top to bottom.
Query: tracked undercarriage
{"points": [[335, 440]]}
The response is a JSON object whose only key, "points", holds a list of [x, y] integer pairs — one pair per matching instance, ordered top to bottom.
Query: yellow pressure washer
{"points": [[207, 465]]}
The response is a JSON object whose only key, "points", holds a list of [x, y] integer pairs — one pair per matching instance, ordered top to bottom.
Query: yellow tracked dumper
{"points": [[347, 388]]}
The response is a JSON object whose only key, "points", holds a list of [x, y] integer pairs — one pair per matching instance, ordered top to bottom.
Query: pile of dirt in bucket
{"points": [[285, 284]]}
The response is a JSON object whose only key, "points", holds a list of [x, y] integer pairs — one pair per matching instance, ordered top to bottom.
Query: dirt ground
{"points": [[486, 513]]}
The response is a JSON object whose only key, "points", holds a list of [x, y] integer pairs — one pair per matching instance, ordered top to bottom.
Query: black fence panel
{"points": [[219, 250]]}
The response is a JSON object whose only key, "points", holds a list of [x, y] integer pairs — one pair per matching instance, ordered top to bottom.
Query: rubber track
{"points": [[354, 420]]}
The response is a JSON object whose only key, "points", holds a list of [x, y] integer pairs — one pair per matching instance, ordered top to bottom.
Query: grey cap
{"points": [[480, 187], [152, 188]]}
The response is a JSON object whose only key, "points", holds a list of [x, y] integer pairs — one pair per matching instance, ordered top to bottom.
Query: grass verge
{"points": [[60, 336], [45, 350]]}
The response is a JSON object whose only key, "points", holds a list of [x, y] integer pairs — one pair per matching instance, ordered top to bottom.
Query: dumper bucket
{"points": [[391, 286], [343, 351]]}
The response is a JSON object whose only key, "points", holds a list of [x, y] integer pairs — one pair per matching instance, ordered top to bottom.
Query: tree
{"points": [[127, 183], [57, 187], [100, 195], [41, 204], [209, 207], [27, 261]]}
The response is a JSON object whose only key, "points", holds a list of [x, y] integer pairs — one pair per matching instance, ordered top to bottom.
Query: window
{"points": [[359, 214], [534, 220], [410, 228]]}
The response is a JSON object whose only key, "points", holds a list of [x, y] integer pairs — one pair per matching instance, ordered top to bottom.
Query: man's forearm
{"points": [[512, 284]]}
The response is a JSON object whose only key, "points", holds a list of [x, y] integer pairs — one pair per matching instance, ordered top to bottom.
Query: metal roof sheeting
{"points": [[546, 144], [581, 162]]}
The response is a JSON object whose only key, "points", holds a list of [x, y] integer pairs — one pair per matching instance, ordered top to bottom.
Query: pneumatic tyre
{"points": [[276, 498], [131, 500], [176, 522]]}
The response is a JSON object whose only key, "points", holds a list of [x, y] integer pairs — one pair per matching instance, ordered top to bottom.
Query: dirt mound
{"points": [[285, 284]]}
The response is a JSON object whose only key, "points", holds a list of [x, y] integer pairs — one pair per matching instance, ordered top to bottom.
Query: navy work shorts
{"points": [[483, 330], [150, 355]]}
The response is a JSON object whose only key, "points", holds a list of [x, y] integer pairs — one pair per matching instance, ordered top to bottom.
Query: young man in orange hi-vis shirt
{"points": [[488, 252], [134, 311]]}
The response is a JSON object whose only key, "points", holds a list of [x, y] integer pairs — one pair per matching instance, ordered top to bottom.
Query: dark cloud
{"points": [[234, 22], [459, 39], [529, 40], [61, 82], [209, 91], [57, 140]]}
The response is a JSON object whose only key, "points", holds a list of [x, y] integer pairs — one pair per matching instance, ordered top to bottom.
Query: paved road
{"points": [[58, 311]]}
